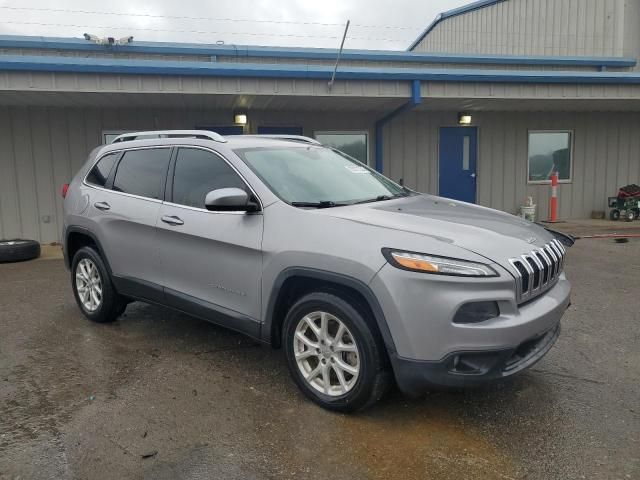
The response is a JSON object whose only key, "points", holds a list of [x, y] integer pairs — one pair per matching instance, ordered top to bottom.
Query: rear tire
{"points": [[614, 215], [93, 288], [352, 366]]}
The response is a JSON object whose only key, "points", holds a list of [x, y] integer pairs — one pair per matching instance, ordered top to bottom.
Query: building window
{"points": [[223, 129], [265, 130], [109, 136], [355, 144], [550, 151]]}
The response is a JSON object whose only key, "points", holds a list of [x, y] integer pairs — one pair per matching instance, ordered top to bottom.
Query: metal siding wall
{"points": [[539, 27], [631, 39], [131, 83], [42, 148], [606, 155], [25, 173], [9, 203]]}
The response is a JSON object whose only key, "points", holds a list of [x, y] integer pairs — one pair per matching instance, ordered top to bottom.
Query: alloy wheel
{"points": [[88, 284], [326, 353]]}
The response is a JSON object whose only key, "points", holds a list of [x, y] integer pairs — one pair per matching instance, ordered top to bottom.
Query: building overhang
{"points": [[103, 65], [475, 99], [222, 102]]}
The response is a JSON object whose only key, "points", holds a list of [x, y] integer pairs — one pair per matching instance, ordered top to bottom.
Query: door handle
{"points": [[473, 175], [102, 205], [172, 220]]}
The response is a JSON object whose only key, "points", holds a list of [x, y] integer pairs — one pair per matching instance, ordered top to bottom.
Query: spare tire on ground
{"points": [[18, 250]]}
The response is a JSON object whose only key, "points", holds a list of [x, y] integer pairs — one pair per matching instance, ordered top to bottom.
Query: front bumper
{"points": [[429, 349], [470, 369]]}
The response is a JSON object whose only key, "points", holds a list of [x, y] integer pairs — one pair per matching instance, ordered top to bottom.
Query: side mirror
{"points": [[230, 200]]}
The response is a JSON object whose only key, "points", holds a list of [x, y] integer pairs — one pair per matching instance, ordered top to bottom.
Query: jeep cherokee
{"points": [[300, 246]]}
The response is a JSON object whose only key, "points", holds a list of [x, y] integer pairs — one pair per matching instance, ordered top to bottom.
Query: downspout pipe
{"points": [[416, 99]]}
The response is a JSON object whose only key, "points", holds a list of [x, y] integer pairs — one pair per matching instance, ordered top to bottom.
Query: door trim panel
{"points": [[139, 289], [166, 297], [213, 313]]}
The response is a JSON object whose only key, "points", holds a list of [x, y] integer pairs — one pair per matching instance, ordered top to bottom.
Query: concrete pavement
{"points": [[161, 395]]}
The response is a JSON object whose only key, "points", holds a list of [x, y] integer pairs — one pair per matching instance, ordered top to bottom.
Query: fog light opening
{"points": [[476, 312], [473, 363]]}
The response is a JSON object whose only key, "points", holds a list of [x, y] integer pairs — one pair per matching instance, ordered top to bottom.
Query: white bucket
{"points": [[528, 212]]}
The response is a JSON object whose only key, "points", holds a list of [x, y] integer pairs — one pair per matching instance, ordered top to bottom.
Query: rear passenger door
{"points": [[125, 211], [211, 261]]}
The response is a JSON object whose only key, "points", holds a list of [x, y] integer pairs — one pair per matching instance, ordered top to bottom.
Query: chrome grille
{"points": [[538, 270]]}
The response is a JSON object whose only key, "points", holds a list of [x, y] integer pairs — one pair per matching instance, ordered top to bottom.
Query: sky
{"points": [[375, 24]]}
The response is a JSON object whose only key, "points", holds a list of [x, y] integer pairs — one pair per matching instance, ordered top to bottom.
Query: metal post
{"points": [[335, 68], [553, 205]]}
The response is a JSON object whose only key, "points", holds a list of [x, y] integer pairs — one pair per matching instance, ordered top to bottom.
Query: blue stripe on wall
{"points": [[154, 67]]}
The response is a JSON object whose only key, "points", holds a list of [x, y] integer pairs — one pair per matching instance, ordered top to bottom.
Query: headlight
{"points": [[420, 262]]}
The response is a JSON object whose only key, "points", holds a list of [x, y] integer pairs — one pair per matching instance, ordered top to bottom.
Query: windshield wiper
{"points": [[381, 198], [322, 204]]}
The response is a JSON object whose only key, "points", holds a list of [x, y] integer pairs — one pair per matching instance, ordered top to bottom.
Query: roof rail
{"points": [[206, 134], [293, 138]]}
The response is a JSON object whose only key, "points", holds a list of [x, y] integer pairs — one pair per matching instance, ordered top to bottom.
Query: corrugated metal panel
{"points": [[539, 27], [632, 30], [130, 83], [524, 91], [43, 147], [605, 156]]}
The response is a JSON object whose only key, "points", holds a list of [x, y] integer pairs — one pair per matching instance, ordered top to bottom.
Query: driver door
{"points": [[211, 262]]}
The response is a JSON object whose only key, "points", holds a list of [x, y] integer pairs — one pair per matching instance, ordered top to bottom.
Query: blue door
{"points": [[458, 158]]}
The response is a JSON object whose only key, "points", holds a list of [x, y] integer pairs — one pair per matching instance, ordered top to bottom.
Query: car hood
{"points": [[495, 235]]}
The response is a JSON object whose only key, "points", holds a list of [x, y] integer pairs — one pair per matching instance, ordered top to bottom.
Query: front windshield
{"points": [[317, 175]]}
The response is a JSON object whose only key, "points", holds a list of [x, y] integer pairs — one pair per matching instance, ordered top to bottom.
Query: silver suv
{"points": [[300, 246]]}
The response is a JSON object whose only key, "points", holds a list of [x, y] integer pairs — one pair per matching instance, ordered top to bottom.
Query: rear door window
{"points": [[100, 172], [143, 172], [197, 173]]}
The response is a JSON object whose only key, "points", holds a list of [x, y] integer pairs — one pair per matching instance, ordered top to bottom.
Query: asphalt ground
{"points": [[162, 395]]}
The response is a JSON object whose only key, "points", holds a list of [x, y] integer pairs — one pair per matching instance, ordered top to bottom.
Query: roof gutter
{"points": [[415, 100]]}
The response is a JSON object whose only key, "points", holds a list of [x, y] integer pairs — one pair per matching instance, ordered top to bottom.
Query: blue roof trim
{"points": [[452, 13], [166, 48], [215, 69]]}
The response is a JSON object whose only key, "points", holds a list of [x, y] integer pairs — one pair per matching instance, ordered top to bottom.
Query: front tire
{"points": [[630, 216], [93, 289], [333, 355]]}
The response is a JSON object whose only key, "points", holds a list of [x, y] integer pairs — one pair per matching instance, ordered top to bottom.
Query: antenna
{"points": [[335, 68]]}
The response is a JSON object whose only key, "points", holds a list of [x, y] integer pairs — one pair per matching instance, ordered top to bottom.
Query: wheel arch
{"points": [[78, 237], [294, 282]]}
